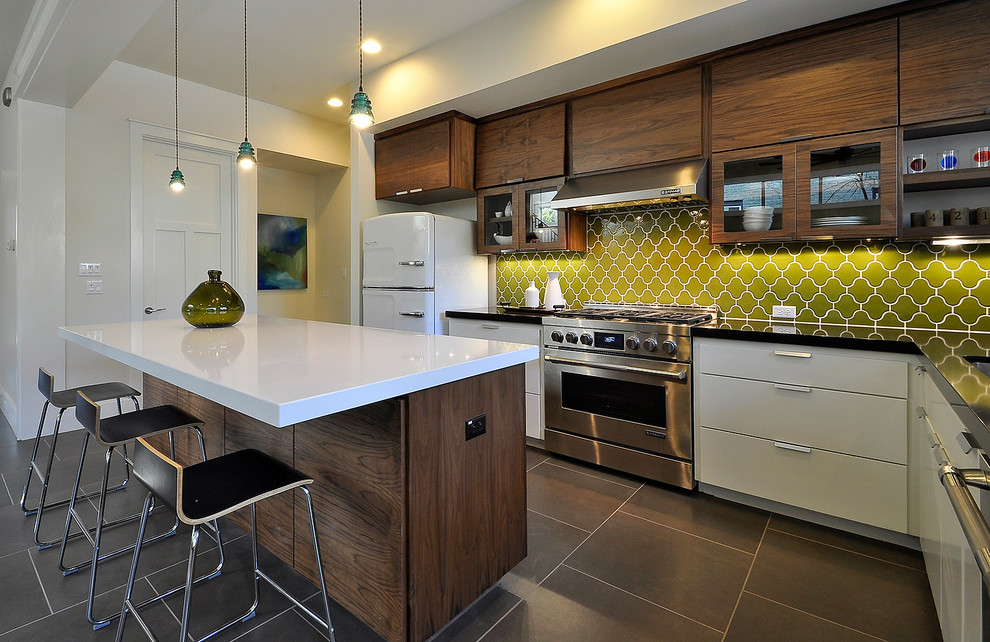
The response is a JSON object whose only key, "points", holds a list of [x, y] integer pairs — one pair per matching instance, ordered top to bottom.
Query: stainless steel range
{"points": [[617, 383]]}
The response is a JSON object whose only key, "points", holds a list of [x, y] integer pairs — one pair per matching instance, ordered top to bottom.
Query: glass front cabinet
{"points": [[820, 189], [520, 217]]}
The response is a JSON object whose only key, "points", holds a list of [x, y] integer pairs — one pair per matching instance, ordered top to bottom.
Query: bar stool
{"points": [[64, 399], [112, 432], [207, 491]]}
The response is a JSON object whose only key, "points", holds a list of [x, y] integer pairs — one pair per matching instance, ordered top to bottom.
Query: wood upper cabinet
{"points": [[945, 69], [833, 83], [645, 122], [522, 147], [426, 163], [521, 217]]}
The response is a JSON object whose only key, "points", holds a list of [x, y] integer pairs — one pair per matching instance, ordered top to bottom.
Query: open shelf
{"points": [[952, 179], [928, 233]]}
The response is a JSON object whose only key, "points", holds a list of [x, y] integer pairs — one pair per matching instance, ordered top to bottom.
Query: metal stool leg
{"points": [[32, 466]]}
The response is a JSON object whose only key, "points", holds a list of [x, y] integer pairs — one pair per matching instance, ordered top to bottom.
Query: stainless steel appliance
{"points": [[617, 382]]}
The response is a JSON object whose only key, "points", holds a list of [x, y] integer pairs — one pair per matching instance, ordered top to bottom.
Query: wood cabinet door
{"points": [[945, 69], [833, 83], [645, 122], [522, 147], [430, 163], [763, 176], [847, 186]]}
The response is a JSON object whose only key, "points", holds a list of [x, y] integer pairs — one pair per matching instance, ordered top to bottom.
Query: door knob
{"points": [[151, 310]]}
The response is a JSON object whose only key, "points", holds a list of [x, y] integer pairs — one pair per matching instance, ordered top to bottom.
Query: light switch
{"points": [[90, 269]]}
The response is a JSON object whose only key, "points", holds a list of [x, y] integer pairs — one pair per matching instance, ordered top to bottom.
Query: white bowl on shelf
{"points": [[758, 225], [546, 234], [502, 240]]}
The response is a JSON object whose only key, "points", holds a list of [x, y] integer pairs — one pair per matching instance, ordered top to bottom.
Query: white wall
{"points": [[9, 173], [333, 261]]}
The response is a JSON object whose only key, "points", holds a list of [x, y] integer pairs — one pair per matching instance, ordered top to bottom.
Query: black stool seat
{"points": [[97, 392], [120, 429], [216, 487]]}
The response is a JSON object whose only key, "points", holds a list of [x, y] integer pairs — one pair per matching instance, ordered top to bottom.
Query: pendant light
{"points": [[361, 115], [245, 153], [177, 183]]}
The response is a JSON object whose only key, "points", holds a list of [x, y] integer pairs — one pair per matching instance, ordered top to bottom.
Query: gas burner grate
{"points": [[673, 314]]}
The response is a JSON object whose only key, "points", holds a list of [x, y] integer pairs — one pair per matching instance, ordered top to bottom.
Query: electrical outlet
{"points": [[94, 287], [784, 311], [475, 427]]}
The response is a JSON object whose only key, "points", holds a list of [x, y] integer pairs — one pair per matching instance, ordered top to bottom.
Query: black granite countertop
{"points": [[963, 385]]}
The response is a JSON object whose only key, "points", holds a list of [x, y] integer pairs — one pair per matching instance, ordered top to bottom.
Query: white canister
{"points": [[532, 296], [553, 297]]}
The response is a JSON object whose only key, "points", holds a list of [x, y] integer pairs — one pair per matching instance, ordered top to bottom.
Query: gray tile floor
{"points": [[610, 558]]}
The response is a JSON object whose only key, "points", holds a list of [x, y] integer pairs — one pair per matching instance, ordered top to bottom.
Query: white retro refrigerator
{"points": [[418, 265]]}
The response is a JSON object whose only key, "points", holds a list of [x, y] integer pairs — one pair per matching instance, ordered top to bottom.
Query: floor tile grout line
{"points": [[7, 487], [559, 521], [695, 535], [848, 550], [40, 583], [742, 590], [522, 598], [641, 598], [817, 617]]}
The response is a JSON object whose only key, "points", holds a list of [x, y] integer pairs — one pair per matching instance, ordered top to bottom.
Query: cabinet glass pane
{"points": [[753, 182], [845, 186], [542, 220], [498, 221]]}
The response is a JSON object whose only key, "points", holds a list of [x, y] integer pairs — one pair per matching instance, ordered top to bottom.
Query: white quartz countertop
{"points": [[284, 371]]}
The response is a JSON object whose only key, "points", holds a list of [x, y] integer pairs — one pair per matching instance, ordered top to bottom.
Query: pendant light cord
{"points": [[360, 46], [245, 73], [176, 84]]}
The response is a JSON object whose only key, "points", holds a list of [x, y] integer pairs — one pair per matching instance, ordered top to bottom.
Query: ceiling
{"points": [[302, 52]]}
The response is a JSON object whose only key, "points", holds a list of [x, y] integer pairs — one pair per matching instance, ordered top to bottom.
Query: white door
{"points": [[184, 233], [398, 250], [399, 310]]}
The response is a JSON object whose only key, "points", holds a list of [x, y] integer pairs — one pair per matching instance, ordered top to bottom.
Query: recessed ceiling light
{"points": [[371, 46], [335, 102]]}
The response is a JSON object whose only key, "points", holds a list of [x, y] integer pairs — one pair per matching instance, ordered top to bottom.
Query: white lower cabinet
{"points": [[514, 332], [821, 429], [952, 571]]}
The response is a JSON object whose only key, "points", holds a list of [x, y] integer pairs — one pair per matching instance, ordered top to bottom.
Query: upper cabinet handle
{"points": [[791, 139], [515, 180], [415, 189], [405, 191], [788, 353]]}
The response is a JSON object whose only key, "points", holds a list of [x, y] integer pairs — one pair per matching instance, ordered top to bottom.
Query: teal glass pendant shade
{"points": [[361, 115], [245, 155], [177, 183], [213, 304]]}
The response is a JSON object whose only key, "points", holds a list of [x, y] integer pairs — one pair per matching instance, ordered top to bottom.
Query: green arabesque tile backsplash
{"points": [[665, 257]]}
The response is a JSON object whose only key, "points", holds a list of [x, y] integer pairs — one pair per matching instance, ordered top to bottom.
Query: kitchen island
{"points": [[417, 512]]}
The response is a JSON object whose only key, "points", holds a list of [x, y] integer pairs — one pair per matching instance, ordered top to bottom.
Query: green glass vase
{"points": [[213, 304]]}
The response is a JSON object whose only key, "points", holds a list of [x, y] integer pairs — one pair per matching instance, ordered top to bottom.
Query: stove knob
{"points": [[557, 336], [571, 337], [586, 339], [632, 343], [650, 345], [669, 346]]}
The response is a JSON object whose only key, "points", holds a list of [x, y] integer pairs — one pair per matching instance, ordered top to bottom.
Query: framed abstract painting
{"points": [[281, 252]]}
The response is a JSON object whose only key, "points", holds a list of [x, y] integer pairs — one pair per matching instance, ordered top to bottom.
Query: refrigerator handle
{"points": [[413, 263], [412, 314]]}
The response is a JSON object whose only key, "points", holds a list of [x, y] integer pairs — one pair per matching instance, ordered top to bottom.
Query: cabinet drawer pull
{"points": [[791, 139], [514, 180], [415, 189], [405, 191], [413, 263], [417, 314], [489, 326], [788, 353], [784, 386], [933, 439], [968, 442], [794, 447]]}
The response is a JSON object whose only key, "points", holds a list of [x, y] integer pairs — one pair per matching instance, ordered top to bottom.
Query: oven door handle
{"points": [[682, 375]]}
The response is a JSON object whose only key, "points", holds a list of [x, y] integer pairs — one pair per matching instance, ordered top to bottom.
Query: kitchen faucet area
{"points": [[523, 320]]}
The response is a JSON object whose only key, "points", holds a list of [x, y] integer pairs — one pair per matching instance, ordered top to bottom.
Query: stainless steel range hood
{"points": [[677, 184]]}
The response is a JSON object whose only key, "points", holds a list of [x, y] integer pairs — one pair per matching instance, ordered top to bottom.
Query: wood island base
{"points": [[415, 520]]}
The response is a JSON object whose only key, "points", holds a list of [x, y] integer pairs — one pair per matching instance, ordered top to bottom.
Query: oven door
{"points": [[636, 403]]}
